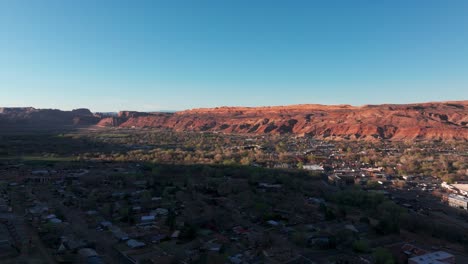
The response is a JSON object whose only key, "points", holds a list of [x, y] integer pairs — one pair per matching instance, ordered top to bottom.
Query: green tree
{"points": [[300, 165], [389, 218], [171, 219], [361, 246], [383, 256]]}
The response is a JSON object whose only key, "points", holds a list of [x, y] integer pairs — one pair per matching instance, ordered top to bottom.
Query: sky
{"points": [[112, 55]]}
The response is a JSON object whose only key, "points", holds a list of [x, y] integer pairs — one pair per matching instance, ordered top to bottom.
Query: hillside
{"points": [[28, 118], [426, 121]]}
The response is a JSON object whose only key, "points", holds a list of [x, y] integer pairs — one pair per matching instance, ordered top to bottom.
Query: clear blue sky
{"points": [[150, 55]]}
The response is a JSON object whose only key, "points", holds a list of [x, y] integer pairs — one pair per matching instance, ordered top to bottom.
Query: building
{"points": [[282, 166], [313, 167], [408, 177], [341, 180], [447, 186], [456, 188], [462, 188], [458, 201], [132, 243], [142, 255], [89, 256], [438, 257]]}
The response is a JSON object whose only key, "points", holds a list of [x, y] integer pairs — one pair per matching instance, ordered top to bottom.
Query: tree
{"points": [[245, 161], [229, 162], [300, 165], [373, 184], [124, 212], [389, 214], [171, 219], [189, 232], [300, 239], [361, 246], [383, 256]]}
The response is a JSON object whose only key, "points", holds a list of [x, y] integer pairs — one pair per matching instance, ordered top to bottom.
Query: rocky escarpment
{"points": [[13, 118], [428, 121]]}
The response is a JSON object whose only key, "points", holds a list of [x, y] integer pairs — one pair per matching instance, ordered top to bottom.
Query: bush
{"points": [[299, 239], [361, 246], [383, 256]]}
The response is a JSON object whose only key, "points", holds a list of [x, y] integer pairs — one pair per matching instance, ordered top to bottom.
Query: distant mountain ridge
{"points": [[13, 118], [423, 121]]}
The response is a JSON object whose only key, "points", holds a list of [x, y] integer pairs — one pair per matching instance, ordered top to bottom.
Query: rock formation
{"points": [[427, 121]]}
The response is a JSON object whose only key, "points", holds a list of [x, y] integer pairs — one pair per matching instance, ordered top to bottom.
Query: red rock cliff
{"points": [[428, 121]]}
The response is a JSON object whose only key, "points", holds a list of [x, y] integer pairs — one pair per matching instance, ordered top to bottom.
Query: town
{"points": [[233, 132], [147, 196]]}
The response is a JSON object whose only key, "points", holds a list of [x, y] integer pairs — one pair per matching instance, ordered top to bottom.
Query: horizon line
{"points": [[239, 106]]}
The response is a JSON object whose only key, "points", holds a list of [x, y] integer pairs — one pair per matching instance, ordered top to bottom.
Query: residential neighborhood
{"points": [[300, 209]]}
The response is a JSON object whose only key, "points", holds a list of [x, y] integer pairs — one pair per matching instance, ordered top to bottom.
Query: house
{"points": [[282, 166], [313, 167], [378, 169], [40, 172], [380, 175], [408, 177], [341, 180], [140, 184], [269, 186], [447, 186], [462, 188], [156, 199], [314, 200], [458, 201], [136, 208], [38, 210], [161, 211], [91, 213], [48, 217], [148, 218], [55, 221], [273, 223], [105, 224], [351, 228], [239, 230], [119, 234], [176, 234], [158, 238], [321, 241], [132, 243], [72, 244], [212, 246], [404, 251], [87, 252], [88, 255], [143, 255], [438, 257], [236, 259], [300, 260]]}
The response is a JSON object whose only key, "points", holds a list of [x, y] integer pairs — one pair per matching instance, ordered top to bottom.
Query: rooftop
{"points": [[461, 187], [458, 197], [437, 257]]}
